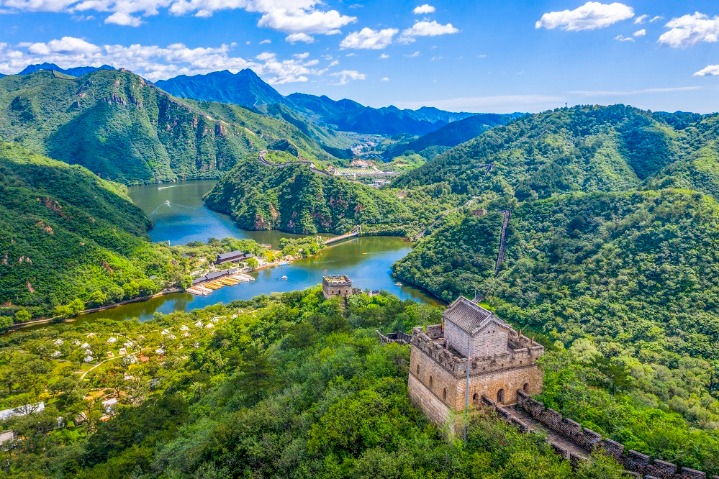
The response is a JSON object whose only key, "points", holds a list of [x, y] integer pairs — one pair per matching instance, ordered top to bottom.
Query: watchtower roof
{"points": [[471, 317]]}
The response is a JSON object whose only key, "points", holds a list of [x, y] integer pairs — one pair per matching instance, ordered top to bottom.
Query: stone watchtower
{"points": [[336, 286], [501, 361]]}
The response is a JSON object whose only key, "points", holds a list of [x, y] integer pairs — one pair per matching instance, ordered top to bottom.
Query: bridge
{"points": [[356, 231]]}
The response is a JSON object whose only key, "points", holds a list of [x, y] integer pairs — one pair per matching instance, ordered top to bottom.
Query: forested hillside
{"points": [[125, 129], [577, 149], [295, 199], [68, 237], [611, 251], [291, 386]]}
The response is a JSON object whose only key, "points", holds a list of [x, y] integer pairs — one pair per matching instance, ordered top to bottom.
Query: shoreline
{"points": [[44, 321]]}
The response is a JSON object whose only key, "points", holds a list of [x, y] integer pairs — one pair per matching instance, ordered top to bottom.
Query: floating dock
{"points": [[207, 287]]}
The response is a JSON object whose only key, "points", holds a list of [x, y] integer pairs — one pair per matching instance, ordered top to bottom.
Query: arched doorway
{"points": [[525, 388], [500, 396], [475, 398]]}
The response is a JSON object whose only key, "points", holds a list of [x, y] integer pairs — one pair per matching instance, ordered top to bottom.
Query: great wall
{"points": [[443, 377]]}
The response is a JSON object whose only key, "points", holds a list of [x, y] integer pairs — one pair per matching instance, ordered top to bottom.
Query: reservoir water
{"points": [[180, 217]]}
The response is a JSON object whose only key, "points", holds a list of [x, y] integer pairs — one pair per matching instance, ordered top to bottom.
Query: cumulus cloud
{"points": [[422, 9], [289, 16], [590, 16], [121, 18], [640, 19], [427, 29], [689, 30], [640, 33], [299, 37], [622, 38], [368, 39], [383, 56], [155, 62], [710, 70], [345, 76], [385, 78]]}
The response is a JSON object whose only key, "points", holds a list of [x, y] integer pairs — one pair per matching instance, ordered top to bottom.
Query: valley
{"points": [[592, 229]]}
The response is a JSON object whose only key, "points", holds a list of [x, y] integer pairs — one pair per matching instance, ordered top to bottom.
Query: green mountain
{"points": [[243, 88], [348, 115], [123, 128], [451, 135], [587, 148], [295, 198], [66, 235]]}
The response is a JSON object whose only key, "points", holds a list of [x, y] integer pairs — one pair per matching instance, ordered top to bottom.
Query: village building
{"points": [[233, 256], [336, 286], [472, 354]]}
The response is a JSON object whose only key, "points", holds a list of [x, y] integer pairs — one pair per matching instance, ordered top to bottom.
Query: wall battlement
{"points": [[521, 352], [633, 461]]}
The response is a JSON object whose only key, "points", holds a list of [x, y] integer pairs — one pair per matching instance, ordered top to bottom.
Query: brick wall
{"points": [[632, 461]]}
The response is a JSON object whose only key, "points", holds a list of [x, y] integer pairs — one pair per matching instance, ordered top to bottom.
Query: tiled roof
{"points": [[469, 316]]}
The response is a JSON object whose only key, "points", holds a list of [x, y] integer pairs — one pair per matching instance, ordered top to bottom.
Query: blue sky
{"points": [[460, 55]]}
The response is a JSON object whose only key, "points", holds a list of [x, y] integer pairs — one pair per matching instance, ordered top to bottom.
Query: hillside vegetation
{"points": [[125, 129], [295, 199], [67, 235], [611, 253], [290, 385]]}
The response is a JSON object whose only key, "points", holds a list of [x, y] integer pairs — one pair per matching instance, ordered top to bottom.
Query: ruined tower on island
{"points": [[336, 286], [501, 361]]}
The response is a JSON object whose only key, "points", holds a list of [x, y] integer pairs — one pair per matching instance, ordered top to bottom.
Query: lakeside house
{"points": [[233, 256]]}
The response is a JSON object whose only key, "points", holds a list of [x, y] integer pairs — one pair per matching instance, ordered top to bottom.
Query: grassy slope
{"points": [[119, 126], [67, 234]]}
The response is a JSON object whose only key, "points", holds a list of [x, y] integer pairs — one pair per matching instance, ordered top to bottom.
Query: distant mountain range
{"points": [[75, 71], [247, 89]]}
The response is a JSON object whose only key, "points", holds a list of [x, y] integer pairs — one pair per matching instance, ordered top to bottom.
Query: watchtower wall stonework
{"points": [[438, 376]]}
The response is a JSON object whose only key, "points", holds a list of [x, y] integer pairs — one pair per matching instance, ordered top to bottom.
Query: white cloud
{"points": [[422, 9], [289, 16], [590, 16], [121, 18], [640, 19], [656, 19], [427, 29], [689, 30], [640, 33], [299, 37], [622, 38], [368, 39], [265, 42], [414, 54], [384, 56], [154, 62], [710, 70], [345, 76], [385, 78]]}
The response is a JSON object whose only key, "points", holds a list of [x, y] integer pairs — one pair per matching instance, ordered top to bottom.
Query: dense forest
{"points": [[123, 128], [295, 199], [69, 238], [610, 254], [285, 386]]}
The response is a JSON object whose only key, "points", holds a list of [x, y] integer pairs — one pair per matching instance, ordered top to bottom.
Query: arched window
{"points": [[418, 370], [430, 381], [444, 394], [500, 396], [475, 398]]}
